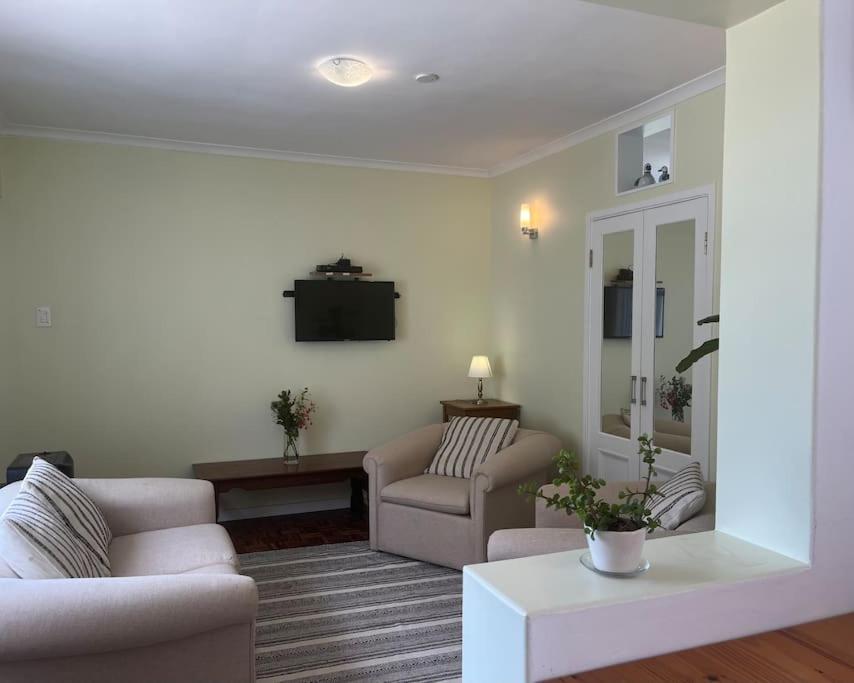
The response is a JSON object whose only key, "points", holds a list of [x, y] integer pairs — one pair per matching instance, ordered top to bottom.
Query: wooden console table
{"points": [[491, 407], [273, 473]]}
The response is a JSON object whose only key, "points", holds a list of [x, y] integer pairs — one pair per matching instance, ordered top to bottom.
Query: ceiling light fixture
{"points": [[345, 71], [427, 78]]}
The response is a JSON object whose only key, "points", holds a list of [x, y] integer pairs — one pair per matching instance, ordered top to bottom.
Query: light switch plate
{"points": [[43, 316]]}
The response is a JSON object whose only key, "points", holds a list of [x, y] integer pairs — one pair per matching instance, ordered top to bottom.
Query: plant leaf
{"points": [[716, 318], [701, 351]]}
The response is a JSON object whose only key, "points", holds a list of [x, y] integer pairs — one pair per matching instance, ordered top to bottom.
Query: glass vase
{"points": [[291, 453]]}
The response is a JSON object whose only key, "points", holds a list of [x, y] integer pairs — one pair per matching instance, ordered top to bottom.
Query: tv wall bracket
{"points": [[289, 294]]}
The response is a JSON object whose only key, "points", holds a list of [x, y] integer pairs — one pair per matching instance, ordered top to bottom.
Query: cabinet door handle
{"points": [[634, 391], [643, 391]]}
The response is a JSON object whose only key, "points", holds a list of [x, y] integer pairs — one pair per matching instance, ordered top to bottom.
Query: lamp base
{"points": [[480, 401]]}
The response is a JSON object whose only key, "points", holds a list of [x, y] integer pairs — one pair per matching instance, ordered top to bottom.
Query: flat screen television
{"points": [[336, 310], [617, 313]]}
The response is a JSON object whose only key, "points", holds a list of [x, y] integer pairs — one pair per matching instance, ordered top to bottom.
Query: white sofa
{"points": [[175, 609]]}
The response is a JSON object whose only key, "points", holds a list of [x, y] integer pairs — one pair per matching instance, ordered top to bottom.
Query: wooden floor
{"points": [[294, 531], [818, 652], [811, 653]]}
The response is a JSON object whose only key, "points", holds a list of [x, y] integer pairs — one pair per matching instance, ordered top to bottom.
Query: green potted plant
{"points": [[293, 412], [615, 531]]}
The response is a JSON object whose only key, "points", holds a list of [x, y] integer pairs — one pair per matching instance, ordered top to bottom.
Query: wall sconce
{"points": [[525, 222]]}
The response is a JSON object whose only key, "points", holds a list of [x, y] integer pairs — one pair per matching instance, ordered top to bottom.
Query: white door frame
{"points": [[707, 191]]}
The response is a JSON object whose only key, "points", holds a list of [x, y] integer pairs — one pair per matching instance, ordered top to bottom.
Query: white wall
{"points": [[769, 243], [170, 337]]}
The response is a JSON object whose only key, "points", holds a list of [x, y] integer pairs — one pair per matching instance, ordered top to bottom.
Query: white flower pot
{"points": [[617, 551]]}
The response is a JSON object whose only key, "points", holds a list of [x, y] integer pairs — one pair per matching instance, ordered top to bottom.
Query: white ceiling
{"points": [[723, 13], [515, 74]]}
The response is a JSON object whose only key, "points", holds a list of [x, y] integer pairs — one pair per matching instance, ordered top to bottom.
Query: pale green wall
{"points": [[164, 271], [7, 285], [538, 287], [768, 293]]}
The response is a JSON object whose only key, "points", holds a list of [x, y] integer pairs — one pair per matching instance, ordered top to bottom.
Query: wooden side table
{"points": [[491, 407]]}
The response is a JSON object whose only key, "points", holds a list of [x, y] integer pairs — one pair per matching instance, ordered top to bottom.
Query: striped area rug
{"points": [[343, 613]]}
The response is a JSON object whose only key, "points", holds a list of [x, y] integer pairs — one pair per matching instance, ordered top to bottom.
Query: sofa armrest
{"points": [[404, 457], [517, 463], [134, 505], [68, 617]]}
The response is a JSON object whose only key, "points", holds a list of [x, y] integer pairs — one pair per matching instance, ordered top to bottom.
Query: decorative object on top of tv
{"points": [[343, 266], [704, 349], [480, 369], [674, 394], [293, 412], [615, 531]]}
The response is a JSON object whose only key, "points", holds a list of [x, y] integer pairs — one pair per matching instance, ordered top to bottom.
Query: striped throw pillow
{"points": [[469, 441], [683, 496], [60, 525], [36, 544]]}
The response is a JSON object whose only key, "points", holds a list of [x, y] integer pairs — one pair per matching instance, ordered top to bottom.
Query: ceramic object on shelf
{"points": [[617, 551], [587, 561]]}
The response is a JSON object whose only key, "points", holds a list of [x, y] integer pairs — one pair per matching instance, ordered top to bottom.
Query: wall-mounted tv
{"points": [[343, 310]]}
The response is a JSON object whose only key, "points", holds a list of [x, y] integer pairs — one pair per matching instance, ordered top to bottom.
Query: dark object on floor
{"points": [[59, 459], [296, 531]]}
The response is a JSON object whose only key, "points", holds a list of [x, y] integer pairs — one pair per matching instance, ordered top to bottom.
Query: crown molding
{"points": [[665, 100], [652, 106], [72, 135]]}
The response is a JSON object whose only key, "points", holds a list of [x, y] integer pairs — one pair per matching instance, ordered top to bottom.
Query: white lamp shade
{"points": [[525, 217], [480, 367]]}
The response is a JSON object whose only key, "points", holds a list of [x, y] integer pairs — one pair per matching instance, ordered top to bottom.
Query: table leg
{"points": [[357, 502]]}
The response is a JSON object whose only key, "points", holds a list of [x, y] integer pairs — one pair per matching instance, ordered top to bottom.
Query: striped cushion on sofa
{"points": [[469, 441], [683, 496], [52, 529], [36, 544]]}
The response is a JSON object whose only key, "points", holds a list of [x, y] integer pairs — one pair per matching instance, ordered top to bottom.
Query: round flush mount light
{"points": [[345, 71], [427, 78]]}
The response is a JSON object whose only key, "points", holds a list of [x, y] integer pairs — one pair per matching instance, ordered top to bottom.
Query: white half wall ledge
{"points": [[523, 619]]}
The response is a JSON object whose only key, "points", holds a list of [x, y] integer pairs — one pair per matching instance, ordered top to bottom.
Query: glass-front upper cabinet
{"points": [[645, 155]]}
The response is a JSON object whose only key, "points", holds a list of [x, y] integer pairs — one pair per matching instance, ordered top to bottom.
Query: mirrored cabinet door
{"points": [[649, 283]]}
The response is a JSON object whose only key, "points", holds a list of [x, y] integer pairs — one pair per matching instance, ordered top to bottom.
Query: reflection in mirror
{"points": [[645, 155], [674, 274], [616, 364]]}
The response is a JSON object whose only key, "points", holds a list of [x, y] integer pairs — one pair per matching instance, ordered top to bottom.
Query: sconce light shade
{"points": [[525, 218], [525, 222], [480, 367]]}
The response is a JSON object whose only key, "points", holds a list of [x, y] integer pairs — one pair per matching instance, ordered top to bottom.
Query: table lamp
{"points": [[479, 369]]}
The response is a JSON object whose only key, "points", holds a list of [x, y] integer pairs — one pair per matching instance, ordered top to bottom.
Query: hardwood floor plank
{"points": [[819, 652]]}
